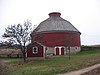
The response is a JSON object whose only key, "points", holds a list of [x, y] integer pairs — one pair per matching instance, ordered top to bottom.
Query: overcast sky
{"points": [[83, 14]]}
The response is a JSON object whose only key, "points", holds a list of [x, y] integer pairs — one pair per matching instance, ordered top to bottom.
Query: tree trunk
{"points": [[69, 51], [24, 56]]}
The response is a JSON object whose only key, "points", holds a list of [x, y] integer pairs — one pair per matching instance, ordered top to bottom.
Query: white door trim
{"points": [[59, 49]]}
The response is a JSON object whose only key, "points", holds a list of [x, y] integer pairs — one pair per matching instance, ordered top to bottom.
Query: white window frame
{"points": [[33, 50]]}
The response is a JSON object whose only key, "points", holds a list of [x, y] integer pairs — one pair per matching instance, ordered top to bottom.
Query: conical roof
{"points": [[54, 24]]}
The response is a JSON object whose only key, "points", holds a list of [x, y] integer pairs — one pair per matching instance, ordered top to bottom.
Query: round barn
{"points": [[54, 36]]}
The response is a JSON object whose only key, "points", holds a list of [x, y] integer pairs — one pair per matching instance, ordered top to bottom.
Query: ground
{"points": [[52, 65], [91, 70]]}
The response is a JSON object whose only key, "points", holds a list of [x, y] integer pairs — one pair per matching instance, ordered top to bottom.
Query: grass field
{"points": [[53, 65]]}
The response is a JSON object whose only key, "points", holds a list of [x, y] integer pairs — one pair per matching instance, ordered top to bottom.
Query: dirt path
{"points": [[3, 68], [92, 70]]}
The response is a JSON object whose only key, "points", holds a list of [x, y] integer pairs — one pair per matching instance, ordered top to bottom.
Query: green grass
{"points": [[54, 65]]}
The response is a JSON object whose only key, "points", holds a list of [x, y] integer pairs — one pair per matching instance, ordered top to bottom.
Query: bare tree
{"points": [[19, 34], [68, 42], [7, 43]]}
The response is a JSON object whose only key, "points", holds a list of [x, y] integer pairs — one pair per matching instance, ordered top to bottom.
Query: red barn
{"points": [[54, 36]]}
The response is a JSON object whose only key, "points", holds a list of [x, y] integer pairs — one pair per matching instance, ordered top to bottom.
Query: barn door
{"points": [[57, 51], [62, 51]]}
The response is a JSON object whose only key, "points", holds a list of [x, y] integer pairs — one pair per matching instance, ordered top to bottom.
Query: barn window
{"points": [[35, 50]]}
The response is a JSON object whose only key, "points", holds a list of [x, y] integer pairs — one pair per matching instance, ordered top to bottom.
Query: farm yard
{"points": [[66, 42], [49, 66]]}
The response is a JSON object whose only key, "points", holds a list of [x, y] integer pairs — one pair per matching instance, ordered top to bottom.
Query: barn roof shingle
{"points": [[55, 23]]}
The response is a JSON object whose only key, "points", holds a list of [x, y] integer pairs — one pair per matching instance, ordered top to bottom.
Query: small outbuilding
{"points": [[54, 36], [35, 49]]}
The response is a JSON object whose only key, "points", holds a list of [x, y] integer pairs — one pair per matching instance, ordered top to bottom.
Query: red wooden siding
{"points": [[58, 39], [31, 54]]}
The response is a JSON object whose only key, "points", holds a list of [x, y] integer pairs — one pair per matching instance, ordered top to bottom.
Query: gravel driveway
{"points": [[92, 70]]}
